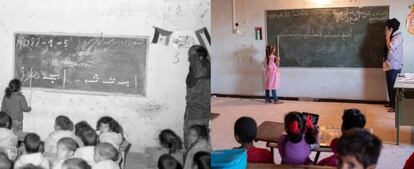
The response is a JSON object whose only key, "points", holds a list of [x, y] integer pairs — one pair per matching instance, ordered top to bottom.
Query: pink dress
{"points": [[272, 75]]}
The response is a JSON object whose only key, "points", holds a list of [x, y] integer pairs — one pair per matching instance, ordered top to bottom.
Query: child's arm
{"points": [[277, 60], [24, 106]]}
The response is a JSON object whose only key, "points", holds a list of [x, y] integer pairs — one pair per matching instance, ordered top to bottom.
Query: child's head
{"points": [[392, 23], [270, 49], [14, 86], [352, 118], [5, 120], [63, 123], [108, 124], [81, 126], [296, 126], [245, 130], [196, 133], [89, 137], [170, 140], [32, 143], [66, 147], [358, 149], [105, 151], [202, 160], [4, 161], [166, 161], [75, 163], [31, 166]]}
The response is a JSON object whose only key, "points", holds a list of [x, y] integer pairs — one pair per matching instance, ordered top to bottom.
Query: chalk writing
{"points": [[319, 34]]}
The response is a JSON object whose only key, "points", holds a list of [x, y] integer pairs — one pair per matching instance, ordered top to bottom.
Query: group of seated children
{"points": [[64, 148], [356, 148], [196, 156]]}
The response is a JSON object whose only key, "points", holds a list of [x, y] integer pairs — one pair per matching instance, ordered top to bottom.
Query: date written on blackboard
{"points": [[36, 41]]}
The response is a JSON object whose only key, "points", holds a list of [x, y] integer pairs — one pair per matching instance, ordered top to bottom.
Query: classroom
{"points": [[329, 58], [99, 64]]}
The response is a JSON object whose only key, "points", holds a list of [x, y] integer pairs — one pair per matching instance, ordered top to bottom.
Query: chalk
{"points": [[278, 46], [64, 77]]}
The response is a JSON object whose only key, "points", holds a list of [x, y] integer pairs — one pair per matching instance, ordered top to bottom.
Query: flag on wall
{"points": [[161, 36]]}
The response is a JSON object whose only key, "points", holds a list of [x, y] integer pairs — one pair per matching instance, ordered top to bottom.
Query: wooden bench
{"points": [[278, 166]]}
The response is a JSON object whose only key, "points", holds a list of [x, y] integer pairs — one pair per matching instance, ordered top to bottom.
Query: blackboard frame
{"points": [[265, 32], [83, 92]]}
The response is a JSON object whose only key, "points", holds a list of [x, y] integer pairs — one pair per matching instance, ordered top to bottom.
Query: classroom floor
{"points": [[378, 119]]}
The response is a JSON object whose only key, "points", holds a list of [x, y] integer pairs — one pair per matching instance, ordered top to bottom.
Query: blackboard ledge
{"points": [[80, 92]]}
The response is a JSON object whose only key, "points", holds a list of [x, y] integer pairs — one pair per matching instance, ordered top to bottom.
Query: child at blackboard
{"points": [[272, 75], [14, 103], [110, 131], [295, 146]]}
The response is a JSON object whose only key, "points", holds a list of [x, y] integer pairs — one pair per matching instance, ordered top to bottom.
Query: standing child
{"points": [[272, 75], [15, 104], [352, 118], [245, 130], [110, 131], [197, 139], [295, 146], [66, 147], [358, 149], [33, 154], [105, 156]]}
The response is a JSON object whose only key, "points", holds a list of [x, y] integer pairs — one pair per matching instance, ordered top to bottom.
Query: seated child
{"points": [[352, 118], [63, 128], [245, 130], [110, 131], [7, 136], [90, 139], [197, 139], [171, 144], [295, 146], [66, 147], [358, 149], [33, 156], [105, 156], [202, 160], [166, 161], [5, 163], [75, 163]]}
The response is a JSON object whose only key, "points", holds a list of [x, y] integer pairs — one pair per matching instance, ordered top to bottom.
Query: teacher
{"points": [[394, 58]]}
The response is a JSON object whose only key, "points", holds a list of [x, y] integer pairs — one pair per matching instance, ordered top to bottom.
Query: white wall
{"points": [[237, 62], [141, 117]]}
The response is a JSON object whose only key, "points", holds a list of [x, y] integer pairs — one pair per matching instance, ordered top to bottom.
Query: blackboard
{"points": [[329, 37], [82, 62]]}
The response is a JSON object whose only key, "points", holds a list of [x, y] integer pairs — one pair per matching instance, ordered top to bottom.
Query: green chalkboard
{"points": [[329, 37], [82, 63]]}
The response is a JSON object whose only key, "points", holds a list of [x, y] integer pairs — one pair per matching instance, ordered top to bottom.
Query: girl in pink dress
{"points": [[272, 75]]}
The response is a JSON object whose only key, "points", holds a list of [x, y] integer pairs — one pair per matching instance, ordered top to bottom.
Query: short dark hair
{"points": [[393, 23], [200, 50], [353, 118], [5, 120], [64, 123], [113, 124], [82, 126], [245, 129], [201, 130], [89, 137], [32, 143], [69, 143], [361, 144], [106, 150], [202, 159], [171, 160], [5, 163], [76, 163], [31, 166]]}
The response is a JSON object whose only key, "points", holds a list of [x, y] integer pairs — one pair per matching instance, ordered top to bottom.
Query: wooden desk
{"points": [[404, 115], [276, 166]]}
